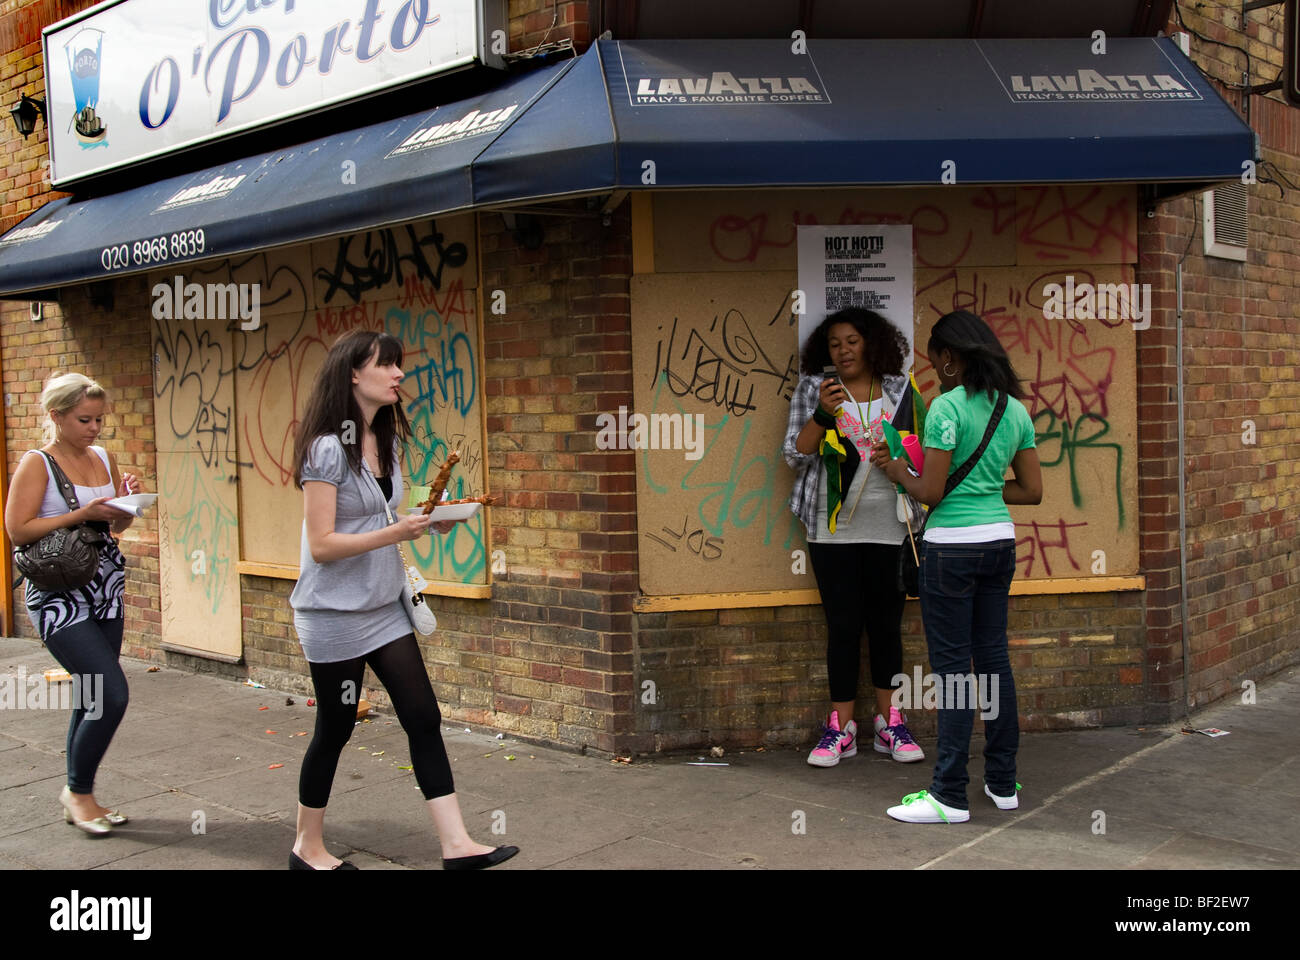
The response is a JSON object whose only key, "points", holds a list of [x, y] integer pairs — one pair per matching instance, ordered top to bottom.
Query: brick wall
{"points": [[544, 21], [1242, 361], [561, 611]]}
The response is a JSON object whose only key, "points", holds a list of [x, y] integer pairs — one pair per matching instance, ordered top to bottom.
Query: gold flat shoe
{"points": [[97, 827]]}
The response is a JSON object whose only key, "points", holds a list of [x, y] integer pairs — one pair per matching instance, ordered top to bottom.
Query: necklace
{"points": [[862, 420]]}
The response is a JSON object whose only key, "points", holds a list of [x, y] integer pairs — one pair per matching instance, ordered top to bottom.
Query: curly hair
{"points": [[884, 347]]}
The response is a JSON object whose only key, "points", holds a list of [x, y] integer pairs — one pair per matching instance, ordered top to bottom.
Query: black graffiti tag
{"points": [[381, 260]]}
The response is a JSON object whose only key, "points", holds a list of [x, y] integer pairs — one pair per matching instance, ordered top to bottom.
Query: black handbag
{"points": [[66, 558], [909, 571]]}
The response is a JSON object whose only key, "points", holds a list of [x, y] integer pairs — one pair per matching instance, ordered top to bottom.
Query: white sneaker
{"points": [[1004, 803], [923, 808]]}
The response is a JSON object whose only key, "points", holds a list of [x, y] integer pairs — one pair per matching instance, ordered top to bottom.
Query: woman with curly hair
{"points": [[854, 518]]}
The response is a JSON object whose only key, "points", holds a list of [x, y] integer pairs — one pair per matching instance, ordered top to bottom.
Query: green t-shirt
{"points": [[956, 421]]}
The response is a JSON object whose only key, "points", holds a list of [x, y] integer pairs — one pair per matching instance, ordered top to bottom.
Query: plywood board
{"points": [[953, 226], [719, 349], [198, 511]]}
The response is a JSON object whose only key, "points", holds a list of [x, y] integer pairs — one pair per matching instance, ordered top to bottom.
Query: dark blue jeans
{"points": [[964, 589], [90, 650]]}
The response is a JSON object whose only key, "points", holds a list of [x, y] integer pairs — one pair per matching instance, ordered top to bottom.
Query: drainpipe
{"points": [[1182, 494]]}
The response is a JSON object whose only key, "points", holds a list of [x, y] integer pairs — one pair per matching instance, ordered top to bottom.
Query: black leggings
{"points": [[859, 588], [89, 650], [400, 668]]}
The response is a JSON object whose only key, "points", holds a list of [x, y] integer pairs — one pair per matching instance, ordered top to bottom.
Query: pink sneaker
{"points": [[895, 739], [835, 743]]}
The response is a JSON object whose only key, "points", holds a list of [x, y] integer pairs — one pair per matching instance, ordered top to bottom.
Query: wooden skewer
{"points": [[440, 482], [487, 501]]}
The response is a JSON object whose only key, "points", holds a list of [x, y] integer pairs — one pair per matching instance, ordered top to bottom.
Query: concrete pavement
{"points": [[194, 752]]}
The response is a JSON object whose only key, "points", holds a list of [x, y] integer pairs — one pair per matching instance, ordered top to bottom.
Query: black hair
{"points": [[884, 347], [986, 365], [332, 403]]}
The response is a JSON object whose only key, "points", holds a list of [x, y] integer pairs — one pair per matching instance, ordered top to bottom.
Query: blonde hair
{"points": [[62, 393]]}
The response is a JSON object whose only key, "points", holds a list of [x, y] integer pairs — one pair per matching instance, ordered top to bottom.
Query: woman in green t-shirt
{"points": [[968, 557]]}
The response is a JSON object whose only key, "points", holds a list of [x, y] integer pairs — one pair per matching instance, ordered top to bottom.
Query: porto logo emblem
{"points": [[84, 51]]}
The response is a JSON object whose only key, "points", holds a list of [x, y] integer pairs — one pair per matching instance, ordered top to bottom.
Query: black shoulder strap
{"points": [[962, 472], [66, 488]]}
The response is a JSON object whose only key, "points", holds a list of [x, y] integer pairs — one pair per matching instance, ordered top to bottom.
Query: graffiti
{"points": [[1077, 224], [381, 260], [719, 374], [187, 376], [1084, 434], [748, 492], [199, 520], [1035, 544], [708, 548]]}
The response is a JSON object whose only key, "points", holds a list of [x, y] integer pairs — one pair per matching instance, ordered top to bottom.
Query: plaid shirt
{"points": [[803, 497]]}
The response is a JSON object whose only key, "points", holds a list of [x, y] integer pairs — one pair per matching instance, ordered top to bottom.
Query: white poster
{"points": [[858, 265]]}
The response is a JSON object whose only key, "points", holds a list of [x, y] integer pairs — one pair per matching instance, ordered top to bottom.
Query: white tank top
{"points": [[54, 505]]}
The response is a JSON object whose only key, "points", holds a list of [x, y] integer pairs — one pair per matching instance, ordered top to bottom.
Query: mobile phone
{"points": [[829, 373]]}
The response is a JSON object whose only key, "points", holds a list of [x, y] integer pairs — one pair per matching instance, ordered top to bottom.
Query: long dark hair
{"points": [[884, 348], [986, 364], [332, 403]]}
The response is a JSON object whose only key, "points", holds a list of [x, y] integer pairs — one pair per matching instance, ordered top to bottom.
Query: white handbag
{"points": [[413, 602]]}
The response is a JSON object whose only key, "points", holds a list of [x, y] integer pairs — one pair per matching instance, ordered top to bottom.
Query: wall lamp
{"points": [[25, 114]]}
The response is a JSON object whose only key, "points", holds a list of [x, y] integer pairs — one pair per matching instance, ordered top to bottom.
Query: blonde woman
{"points": [[82, 628]]}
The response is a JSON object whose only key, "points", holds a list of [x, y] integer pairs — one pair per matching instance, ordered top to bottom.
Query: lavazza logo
{"points": [[1093, 85], [724, 87], [472, 124], [217, 188], [30, 233]]}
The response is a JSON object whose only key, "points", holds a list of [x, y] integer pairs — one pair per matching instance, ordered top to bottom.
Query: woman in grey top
{"points": [[347, 604]]}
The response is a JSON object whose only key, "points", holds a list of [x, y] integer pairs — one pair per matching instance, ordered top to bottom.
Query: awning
{"points": [[858, 112], [678, 114], [416, 166]]}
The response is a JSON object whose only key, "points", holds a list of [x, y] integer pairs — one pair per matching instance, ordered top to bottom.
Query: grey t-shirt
{"points": [[350, 607]]}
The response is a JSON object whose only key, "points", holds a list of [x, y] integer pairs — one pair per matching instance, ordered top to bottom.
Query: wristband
{"points": [[822, 418]]}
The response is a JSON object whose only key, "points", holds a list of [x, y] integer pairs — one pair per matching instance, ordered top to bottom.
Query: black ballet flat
{"points": [[479, 861], [298, 863]]}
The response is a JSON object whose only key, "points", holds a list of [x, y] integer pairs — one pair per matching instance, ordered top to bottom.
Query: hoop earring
{"points": [[947, 372]]}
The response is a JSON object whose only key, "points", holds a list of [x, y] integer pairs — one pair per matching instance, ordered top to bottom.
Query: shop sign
{"points": [[132, 79]]}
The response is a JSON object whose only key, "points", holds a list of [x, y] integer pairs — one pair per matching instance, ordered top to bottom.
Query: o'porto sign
{"points": [[131, 79]]}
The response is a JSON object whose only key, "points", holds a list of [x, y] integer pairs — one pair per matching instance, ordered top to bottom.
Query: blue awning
{"points": [[858, 112], [678, 114]]}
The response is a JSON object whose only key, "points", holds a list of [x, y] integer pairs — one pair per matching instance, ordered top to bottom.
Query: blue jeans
{"points": [[964, 588]]}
